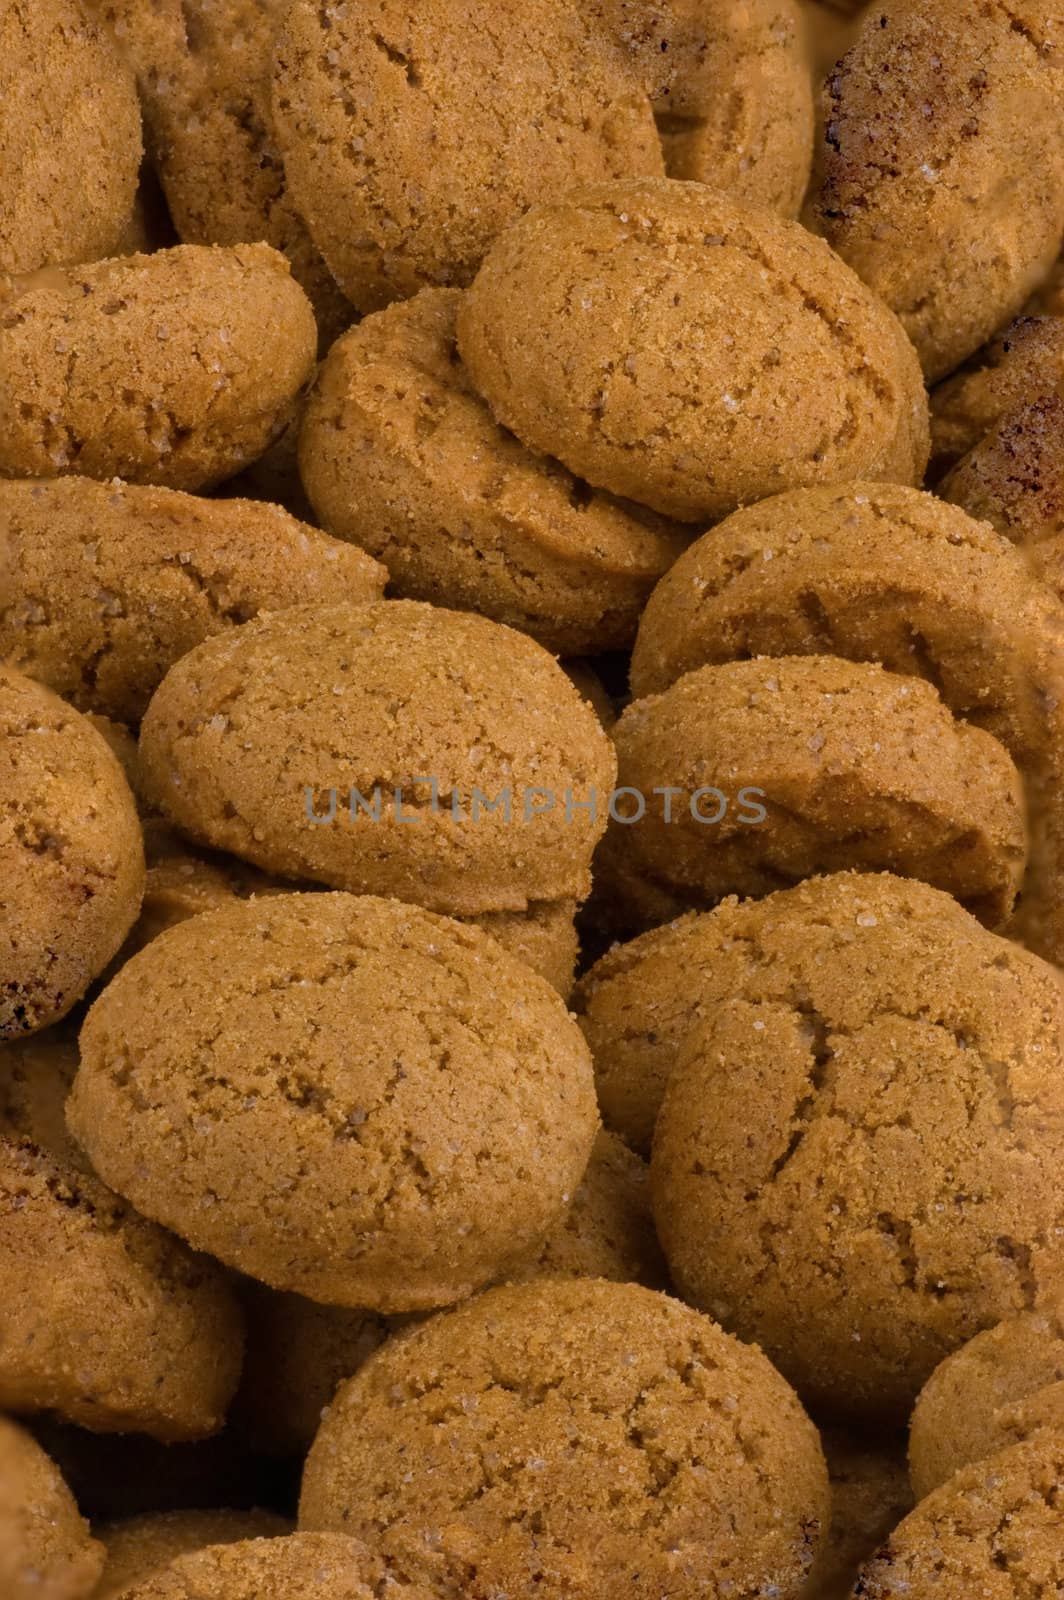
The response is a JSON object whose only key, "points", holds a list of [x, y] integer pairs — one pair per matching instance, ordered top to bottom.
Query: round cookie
{"points": [[204, 77], [453, 122], [69, 136], [940, 175], [199, 351], [688, 351], [1022, 364], [399, 454], [113, 583], [452, 712], [782, 767], [72, 851], [383, 1109], [861, 1167], [986, 1395], [565, 1437], [870, 1494], [994, 1531], [138, 1546], [45, 1549], [300, 1566]]}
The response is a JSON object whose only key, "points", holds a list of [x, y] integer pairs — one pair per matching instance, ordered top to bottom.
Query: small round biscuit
{"points": [[69, 136], [410, 140], [941, 179], [689, 351], [1023, 363], [176, 368], [399, 454], [112, 583], [306, 743], [783, 767], [73, 855], [350, 1098], [862, 1177], [983, 1397], [567, 1437], [870, 1494], [994, 1531], [138, 1546], [46, 1552], [298, 1566]]}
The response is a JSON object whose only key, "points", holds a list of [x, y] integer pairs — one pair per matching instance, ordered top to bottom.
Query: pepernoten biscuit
{"points": [[69, 136], [411, 137], [689, 351], [176, 368], [400, 454], [111, 583], [307, 741], [72, 851], [346, 1097], [561, 1438], [137, 1547], [46, 1552], [299, 1566]]}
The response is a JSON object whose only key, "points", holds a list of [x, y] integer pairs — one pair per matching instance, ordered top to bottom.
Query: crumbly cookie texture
{"points": [[204, 76], [939, 119], [70, 142], [409, 142], [1024, 362], [758, 363], [176, 368], [400, 454], [111, 583], [379, 698], [852, 766], [72, 851], [395, 1109], [857, 1161], [994, 1391], [557, 1438], [870, 1494], [994, 1530], [137, 1547], [46, 1552], [300, 1566]]}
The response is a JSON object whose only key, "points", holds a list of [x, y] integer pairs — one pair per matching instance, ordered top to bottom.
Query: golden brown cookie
{"points": [[204, 76], [69, 136], [409, 143], [941, 177], [689, 351], [1022, 364], [175, 368], [400, 455], [113, 583], [396, 711], [782, 767], [73, 858], [380, 1106], [858, 1158], [990, 1393], [565, 1437], [870, 1494], [994, 1531], [138, 1546], [45, 1549], [301, 1566]]}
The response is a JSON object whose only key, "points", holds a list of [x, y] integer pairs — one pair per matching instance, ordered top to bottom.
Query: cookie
{"points": [[204, 79], [69, 136], [408, 145], [940, 176], [198, 350], [688, 351], [1022, 364], [399, 454], [113, 583], [398, 711], [775, 769], [72, 851], [352, 1084], [858, 1164], [111, 1322], [987, 1395], [565, 1437], [870, 1494], [994, 1530], [138, 1546], [45, 1549], [301, 1566]]}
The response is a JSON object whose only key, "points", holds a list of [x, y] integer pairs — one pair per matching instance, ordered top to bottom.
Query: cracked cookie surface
{"points": [[297, 1566]]}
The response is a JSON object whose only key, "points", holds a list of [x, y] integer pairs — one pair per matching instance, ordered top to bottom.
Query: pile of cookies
{"points": [[531, 800]]}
